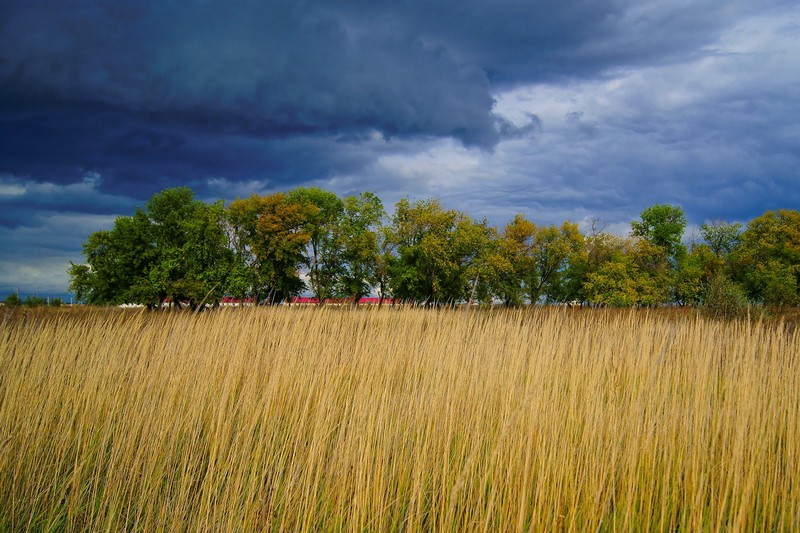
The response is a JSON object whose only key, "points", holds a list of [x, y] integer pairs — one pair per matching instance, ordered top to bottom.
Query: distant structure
{"points": [[367, 300]]}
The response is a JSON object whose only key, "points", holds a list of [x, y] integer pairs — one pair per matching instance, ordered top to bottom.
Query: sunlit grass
{"points": [[305, 419]]}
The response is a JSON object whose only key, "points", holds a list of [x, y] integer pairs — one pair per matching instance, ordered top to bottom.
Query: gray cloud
{"points": [[286, 68], [267, 69], [552, 108]]}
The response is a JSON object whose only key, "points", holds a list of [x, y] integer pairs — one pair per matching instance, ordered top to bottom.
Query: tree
{"points": [[324, 210], [662, 225], [270, 234], [722, 237], [357, 239], [516, 246], [599, 247], [174, 248], [434, 249], [475, 249], [555, 249], [191, 253], [207, 253], [539, 256], [386, 260], [767, 261], [118, 263], [494, 271], [694, 272], [635, 274], [247, 277], [504, 278], [80, 284], [616, 284], [722, 298], [13, 300]]}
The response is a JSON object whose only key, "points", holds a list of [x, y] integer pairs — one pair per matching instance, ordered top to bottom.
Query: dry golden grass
{"points": [[378, 420]]}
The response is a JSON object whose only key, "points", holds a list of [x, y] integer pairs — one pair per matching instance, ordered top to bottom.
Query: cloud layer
{"points": [[556, 109]]}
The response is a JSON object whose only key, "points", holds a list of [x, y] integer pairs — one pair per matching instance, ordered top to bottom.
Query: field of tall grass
{"points": [[306, 419]]}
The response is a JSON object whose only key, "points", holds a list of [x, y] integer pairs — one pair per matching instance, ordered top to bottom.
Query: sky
{"points": [[555, 109]]}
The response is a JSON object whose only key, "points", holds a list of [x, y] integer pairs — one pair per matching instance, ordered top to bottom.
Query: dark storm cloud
{"points": [[264, 69], [134, 90], [156, 95], [104, 103], [137, 156]]}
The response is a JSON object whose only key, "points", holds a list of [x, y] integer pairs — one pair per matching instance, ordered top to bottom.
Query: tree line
{"points": [[271, 247]]}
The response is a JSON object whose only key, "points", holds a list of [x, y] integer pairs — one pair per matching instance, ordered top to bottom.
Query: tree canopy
{"points": [[269, 248]]}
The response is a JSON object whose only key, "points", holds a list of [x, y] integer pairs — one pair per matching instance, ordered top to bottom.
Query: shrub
{"points": [[13, 299], [725, 299]]}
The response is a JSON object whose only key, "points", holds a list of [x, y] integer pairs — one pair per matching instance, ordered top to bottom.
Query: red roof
{"points": [[232, 300], [368, 300]]}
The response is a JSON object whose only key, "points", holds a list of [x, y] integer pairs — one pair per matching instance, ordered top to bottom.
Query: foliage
{"points": [[323, 211], [663, 226], [271, 234], [356, 237], [722, 237], [272, 247], [175, 248], [191, 249], [437, 251], [538, 257], [385, 260], [767, 261], [118, 264], [693, 272], [637, 274], [80, 281], [614, 284], [723, 298], [13, 299]]}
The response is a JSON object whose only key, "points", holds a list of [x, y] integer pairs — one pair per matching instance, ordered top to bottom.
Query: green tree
{"points": [[662, 225], [270, 235], [722, 237], [357, 241], [516, 246], [599, 247], [174, 248], [475, 249], [556, 249], [435, 250], [207, 252], [191, 256], [323, 256], [540, 257], [386, 260], [767, 261], [118, 264], [492, 272], [694, 272], [634, 274], [248, 276], [80, 281], [505, 281], [616, 283], [723, 298], [13, 299], [34, 301]]}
